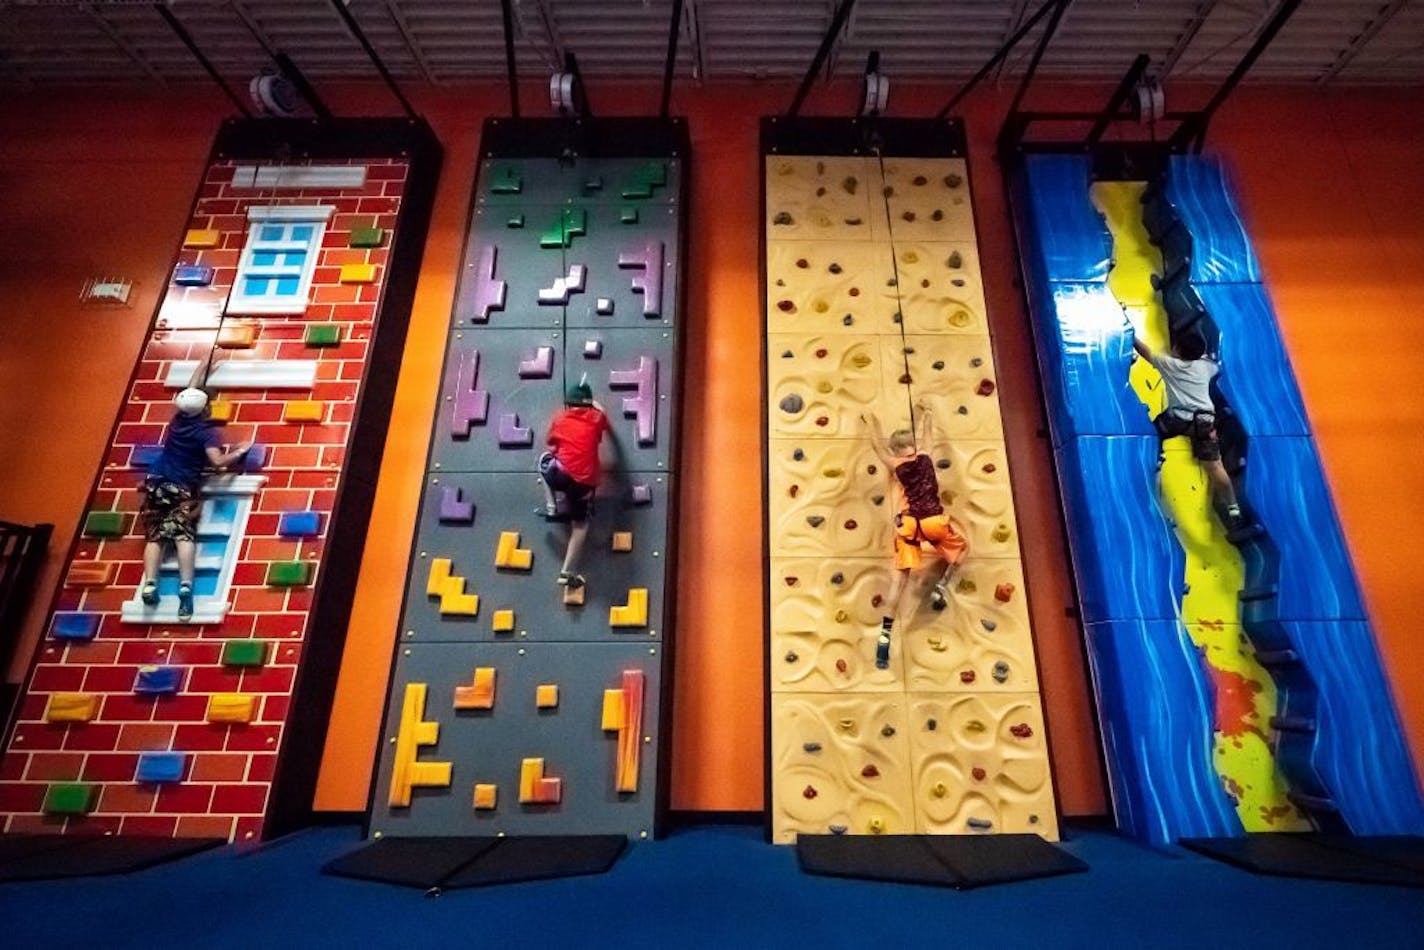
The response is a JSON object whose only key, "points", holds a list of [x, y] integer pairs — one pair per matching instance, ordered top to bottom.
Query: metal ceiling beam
{"points": [[1059, 9], [1016, 20], [837, 21], [253, 27], [674, 34], [1188, 34], [114, 36], [360, 36], [187, 39], [694, 39], [411, 44], [1358, 44], [554, 53], [833, 57]]}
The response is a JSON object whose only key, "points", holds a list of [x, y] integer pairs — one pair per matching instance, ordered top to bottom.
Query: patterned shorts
{"points": [[170, 511]]}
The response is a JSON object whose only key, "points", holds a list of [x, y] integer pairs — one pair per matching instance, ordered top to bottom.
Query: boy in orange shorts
{"points": [[920, 519]]}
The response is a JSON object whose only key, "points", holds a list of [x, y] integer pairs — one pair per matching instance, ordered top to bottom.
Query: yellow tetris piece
{"points": [[198, 237], [358, 273], [237, 336], [220, 410], [304, 410], [622, 540], [509, 554], [439, 574], [454, 600], [632, 614], [503, 621], [480, 693], [546, 695], [71, 707], [231, 707], [615, 710], [414, 732], [531, 773], [485, 797]]}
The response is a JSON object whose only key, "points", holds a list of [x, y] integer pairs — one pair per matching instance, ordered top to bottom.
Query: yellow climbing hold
{"points": [[959, 319], [860, 361], [1001, 533]]}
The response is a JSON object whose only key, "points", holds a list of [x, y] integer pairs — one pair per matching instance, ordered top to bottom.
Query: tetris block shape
{"points": [[647, 177], [505, 181], [628, 215], [572, 223], [202, 237], [367, 237], [648, 259], [358, 274], [192, 275], [563, 288], [490, 292], [604, 306], [322, 334], [237, 336], [592, 349], [538, 366], [471, 405], [642, 406], [303, 410], [220, 411], [512, 434], [642, 493], [453, 507], [104, 524], [299, 524], [622, 540], [508, 554], [440, 568], [90, 574], [288, 574], [450, 588], [632, 614], [503, 621], [74, 626], [247, 653], [158, 680], [480, 693], [546, 696], [71, 707], [231, 707], [615, 710], [623, 710], [412, 733], [157, 767], [534, 787], [486, 796], [69, 798]]}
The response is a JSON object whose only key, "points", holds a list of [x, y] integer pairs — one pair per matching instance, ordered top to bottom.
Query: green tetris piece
{"points": [[650, 175], [505, 181], [628, 216], [516, 221], [572, 223], [367, 237], [322, 334], [104, 524], [288, 573], [244, 653], [69, 798]]}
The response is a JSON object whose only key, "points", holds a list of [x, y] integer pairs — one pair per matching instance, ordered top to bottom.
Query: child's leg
{"points": [[1221, 486], [578, 532], [152, 558], [187, 560], [898, 581], [939, 596]]}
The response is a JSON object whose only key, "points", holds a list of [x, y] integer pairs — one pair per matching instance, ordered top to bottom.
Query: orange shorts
{"points": [[941, 532]]}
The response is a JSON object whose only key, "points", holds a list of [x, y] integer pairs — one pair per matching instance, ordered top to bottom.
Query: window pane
{"points": [[270, 232], [302, 232], [294, 258], [263, 259], [287, 286], [255, 287]]}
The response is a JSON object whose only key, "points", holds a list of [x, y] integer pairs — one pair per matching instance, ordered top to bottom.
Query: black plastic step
{"points": [[1247, 532], [1259, 593], [1277, 657], [1293, 723], [1312, 803]]}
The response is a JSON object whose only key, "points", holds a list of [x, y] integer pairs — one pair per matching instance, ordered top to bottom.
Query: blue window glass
{"points": [[270, 232], [302, 232], [293, 258], [264, 259], [255, 286], [287, 286]]}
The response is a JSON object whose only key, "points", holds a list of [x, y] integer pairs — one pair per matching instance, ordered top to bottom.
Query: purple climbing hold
{"points": [[649, 259], [565, 287], [489, 293], [592, 349], [538, 366], [471, 404], [642, 405], [512, 434], [255, 459], [642, 494], [453, 508]]}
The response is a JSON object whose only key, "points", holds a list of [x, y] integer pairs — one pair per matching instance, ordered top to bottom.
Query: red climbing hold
{"points": [[802, 262], [785, 306], [821, 354], [986, 386], [823, 421], [990, 468], [794, 490], [850, 524], [791, 582], [1003, 593], [877, 600], [841, 666], [966, 676], [1021, 731], [870, 771], [978, 773], [810, 791]]}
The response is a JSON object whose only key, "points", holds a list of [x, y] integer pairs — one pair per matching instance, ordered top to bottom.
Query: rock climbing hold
{"points": [[820, 168], [920, 180], [952, 180], [850, 184], [821, 192], [908, 215], [937, 215], [782, 217], [852, 221], [909, 257], [955, 260], [802, 262], [834, 268], [957, 281], [780, 282], [891, 282], [925, 282], [854, 292], [785, 306], [820, 306], [898, 317], [959, 319], [847, 320], [909, 351], [821, 353], [787, 355], [860, 361], [977, 362], [938, 364], [905, 379], [986, 386], [825, 388], [792, 403], [963, 410], [823, 421], [798, 455], [942, 463], [989, 468], [871, 469], [833, 472], [794, 490], [877, 499], [815, 521], [850, 524], [1001, 533], [837, 578], [791, 582], [966, 586], [1004, 593], [877, 600], [841, 617], [988, 625], [936, 644], [791, 656], [841, 667], [1001, 672], [966, 676], [846, 725], [931, 725], [974, 725], [887, 730], [1021, 731], [811, 747], [870, 771], [978, 773], [939, 790], [809, 792], [1033, 819], [980, 824], [876, 826], [838, 829]]}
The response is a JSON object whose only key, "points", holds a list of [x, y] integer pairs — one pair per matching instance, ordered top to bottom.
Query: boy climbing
{"points": [[1187, 373], [571, 471], [172, 489], [920, 518]]}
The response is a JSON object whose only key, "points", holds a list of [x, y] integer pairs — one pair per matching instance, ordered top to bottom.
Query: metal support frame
{"points": [[674, 33], [1188, 34], [407, 37], [694, 37], [187, 39], [118, 40], [827, 41], [1358, 44], [1003, 51], [1038, 52], [373, 56], [285, 66], [511, 72], [1120, 95]]}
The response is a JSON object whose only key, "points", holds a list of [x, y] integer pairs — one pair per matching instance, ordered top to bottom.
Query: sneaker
{"points": [[148, 593], [938, 599], [185, 603], [882, 651]]}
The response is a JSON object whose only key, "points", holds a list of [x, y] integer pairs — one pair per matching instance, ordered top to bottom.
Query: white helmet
{"points": [[191, 401]]}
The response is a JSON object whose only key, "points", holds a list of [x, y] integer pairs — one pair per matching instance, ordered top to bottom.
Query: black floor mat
{"points": [[36, 857], [1364, 860], [960, 861], [448, 863]]}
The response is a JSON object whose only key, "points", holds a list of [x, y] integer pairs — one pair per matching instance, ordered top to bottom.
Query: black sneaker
{"points": [[571, 581], [148, 593], [938, 600], [185, 603], [882, 651]]}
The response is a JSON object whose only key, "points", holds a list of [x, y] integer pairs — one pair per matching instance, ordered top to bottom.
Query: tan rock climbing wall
{"points": [[949, 739]]}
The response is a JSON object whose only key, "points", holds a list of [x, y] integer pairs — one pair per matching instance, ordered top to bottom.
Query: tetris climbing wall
{"points": [[873, 302], [513, 708], [132, 722]]}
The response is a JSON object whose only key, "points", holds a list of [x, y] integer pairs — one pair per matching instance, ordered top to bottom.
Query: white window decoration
{"points": [[274, 273], [227, 501]]}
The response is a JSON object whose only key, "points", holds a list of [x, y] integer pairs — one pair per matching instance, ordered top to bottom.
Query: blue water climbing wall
{"points": [[1155, 699], [514, 707]]}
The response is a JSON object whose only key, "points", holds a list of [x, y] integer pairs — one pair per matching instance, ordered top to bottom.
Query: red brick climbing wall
{"points": [[226, 779]]}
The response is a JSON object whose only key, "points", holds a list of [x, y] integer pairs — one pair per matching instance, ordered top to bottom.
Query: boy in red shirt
{"points": [[571, 471]]}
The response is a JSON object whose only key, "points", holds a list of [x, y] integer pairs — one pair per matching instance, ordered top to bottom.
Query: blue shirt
{"points": [[185, 450]]}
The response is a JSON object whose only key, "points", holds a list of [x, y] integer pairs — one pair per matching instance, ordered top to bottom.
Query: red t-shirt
{"points": [[574, 435]]}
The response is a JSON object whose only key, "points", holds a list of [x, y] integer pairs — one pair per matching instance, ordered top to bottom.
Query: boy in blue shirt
{"points": [[171, 492]]}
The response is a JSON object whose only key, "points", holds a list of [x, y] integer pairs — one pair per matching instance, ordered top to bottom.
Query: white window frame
{"points": [[315, 215], [214, 607]]}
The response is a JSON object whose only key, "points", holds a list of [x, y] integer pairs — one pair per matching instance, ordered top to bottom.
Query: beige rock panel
{"points": [[814, 192], [926, 203], [813, 286], [941, 290], [946, 373], [836, 377], [825, 616], [822, 749], [985, 761]]}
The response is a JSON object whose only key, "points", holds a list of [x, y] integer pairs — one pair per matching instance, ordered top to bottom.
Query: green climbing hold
{"points": [[648, 176], [506, 181], [628, 216], [515, 221], [572, 223], [367, 237], [322, 334], [104, 524], [288, 574], [244, 653], [69, 798]]}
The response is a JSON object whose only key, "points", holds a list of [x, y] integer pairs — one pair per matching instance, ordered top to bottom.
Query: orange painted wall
{"points": [[1330, 189]]}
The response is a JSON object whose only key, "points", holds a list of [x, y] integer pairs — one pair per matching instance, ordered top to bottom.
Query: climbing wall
{"points": [[873, 305], [514, 707], [132, 722]]}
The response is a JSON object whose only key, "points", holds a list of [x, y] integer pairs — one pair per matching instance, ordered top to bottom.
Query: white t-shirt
{"points": [[1188, 383]]}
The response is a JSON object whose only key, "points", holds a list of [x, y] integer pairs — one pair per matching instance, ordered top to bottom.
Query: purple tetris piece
{"points": [[648, 259], [489, 293], [539, 366], [471, 404], [642, 405], [511, 434], [255, 459], [642, 494], [453, 508]]}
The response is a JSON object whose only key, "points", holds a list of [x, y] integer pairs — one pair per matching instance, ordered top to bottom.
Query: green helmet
{"points": [[579, 394]]}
